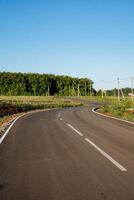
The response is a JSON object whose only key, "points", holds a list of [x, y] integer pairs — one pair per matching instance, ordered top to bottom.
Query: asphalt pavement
{"points": [[67, 154]]}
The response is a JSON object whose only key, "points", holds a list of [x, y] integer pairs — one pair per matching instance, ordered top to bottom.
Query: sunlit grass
{"points": [[36, 99], [14, 104], [112, 106]]}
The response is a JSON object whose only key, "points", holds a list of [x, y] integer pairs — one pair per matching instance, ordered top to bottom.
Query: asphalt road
{"points": [[67, 154]]}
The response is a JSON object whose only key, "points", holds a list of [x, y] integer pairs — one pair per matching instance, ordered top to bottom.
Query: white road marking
{"points": [[30, 112], [61, 119], [122, 120], [7, 131], [79, 133], [106, 155]]}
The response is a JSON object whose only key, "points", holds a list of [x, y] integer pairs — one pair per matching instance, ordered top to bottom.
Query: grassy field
{"points": [[32, 99], [107, 99], [37, 100], [16, 104], [111, 106], [123, 109]]}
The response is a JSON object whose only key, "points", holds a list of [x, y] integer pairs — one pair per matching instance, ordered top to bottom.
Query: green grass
{"points": [[30, 99], [107, 99], [36, 100], [14, 104], [111, 106], [123, 109]]}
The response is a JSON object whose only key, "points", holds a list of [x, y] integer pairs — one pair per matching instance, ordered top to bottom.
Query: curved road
{"points": [[67, 154]]}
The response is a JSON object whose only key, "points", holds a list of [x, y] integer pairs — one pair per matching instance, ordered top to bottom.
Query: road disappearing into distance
{"points": [[67, 154]]}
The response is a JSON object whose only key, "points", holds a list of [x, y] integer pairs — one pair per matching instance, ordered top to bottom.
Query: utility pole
{"points": [[118, 81], [90, 88], [85, 89], [102, 89], [69, 90], [73, 90], [78, 90], [121, 90], [48, 91], [132, 91], [114, 92], [102, 93], [105, 93], [122, 93]]}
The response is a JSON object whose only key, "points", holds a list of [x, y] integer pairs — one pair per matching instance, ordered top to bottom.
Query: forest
{"points": [[35, 84]]}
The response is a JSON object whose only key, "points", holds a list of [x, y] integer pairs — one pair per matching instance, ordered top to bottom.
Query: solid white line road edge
{"points": [[122, 120], [7, 131], [79, 133], [106, 155]]}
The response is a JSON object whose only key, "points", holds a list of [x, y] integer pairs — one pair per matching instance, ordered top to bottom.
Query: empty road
{"points": [[67, 154]]}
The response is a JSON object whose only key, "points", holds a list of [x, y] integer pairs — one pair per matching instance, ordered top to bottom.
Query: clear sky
{"points": [[81, 38]]}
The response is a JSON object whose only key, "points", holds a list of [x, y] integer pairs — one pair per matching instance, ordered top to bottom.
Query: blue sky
{"points": [[81, 38]]}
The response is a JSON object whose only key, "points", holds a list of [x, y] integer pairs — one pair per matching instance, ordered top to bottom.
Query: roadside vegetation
{"points": [[23, 92], [10, 105], [123, 109]]}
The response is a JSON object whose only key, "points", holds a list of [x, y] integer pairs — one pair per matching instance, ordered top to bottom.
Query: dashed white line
{"points": [[79, 133], [100, 150], [106, 155]]}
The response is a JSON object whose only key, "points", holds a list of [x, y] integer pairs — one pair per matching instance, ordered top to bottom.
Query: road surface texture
{"points": [[67, 154]]}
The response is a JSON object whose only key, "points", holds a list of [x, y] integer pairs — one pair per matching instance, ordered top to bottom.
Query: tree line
{"points": [[43, 84], [114, 92]]}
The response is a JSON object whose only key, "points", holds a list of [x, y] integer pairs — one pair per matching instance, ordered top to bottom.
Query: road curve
{"points": [[67, 154]]}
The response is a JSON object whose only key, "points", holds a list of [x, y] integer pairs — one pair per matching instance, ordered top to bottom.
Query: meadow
{"points": [[16, 104], [10, 105], [123, 109]]}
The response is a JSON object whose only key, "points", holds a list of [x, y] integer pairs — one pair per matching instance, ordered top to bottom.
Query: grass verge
{"points": [[10, 105], [123, 110]]}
